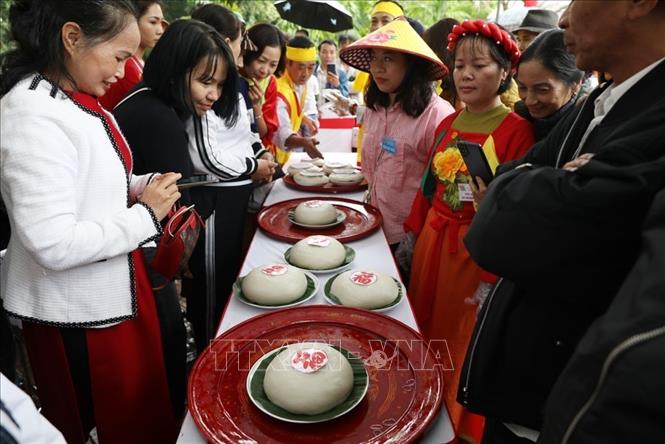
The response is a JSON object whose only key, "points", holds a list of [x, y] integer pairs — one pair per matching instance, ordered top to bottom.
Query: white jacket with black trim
{"points": [[226, 153], [70, 204]]}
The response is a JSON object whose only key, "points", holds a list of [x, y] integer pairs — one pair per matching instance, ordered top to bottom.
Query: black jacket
{"points": [[542, 127], [155, 134], [564, 243], [613, 388]]}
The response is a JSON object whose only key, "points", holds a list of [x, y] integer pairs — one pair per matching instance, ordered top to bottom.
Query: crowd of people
{"points": [[541, 289]]}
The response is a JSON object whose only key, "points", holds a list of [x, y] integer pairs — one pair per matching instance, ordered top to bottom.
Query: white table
{"points": [[371, 252]]}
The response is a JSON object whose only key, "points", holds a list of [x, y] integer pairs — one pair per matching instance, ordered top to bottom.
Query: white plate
{"points": [[341, 216], [327, 270], [237, 293], [400, 298], [258, 405]]}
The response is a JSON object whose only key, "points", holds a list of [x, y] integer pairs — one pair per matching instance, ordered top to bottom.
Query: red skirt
{"points": [[443, 275], [123, 388]]}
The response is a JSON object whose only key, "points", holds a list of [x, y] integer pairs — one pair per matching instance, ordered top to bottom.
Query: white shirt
{"points": [[322, 79], [313, 91], [606, 101], [284, 118], [22, 421]]}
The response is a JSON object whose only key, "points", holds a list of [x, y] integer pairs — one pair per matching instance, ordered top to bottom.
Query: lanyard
{"points": [[381, 153]]}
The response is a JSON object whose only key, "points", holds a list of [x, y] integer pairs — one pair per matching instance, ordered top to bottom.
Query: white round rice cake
{"points": [[330, 167], [295, 168], [346, 177], [312, 178], [315, 212], [318, 253], [274, 284], [364, 289], [294, 381]]}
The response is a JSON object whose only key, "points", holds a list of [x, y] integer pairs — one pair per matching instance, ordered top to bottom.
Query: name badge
{"points": [[389, 145], [465, 193]]}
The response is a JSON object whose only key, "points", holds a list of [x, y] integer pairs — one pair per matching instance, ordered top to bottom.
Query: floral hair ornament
{"points": [[489, 30]]}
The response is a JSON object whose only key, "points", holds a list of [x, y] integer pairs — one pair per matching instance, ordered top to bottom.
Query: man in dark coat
{"points": [[564, 241], [613, 388]]}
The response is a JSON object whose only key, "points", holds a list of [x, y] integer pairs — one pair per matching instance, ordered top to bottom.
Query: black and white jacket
{"points": [[226, 153], [70, 204]]}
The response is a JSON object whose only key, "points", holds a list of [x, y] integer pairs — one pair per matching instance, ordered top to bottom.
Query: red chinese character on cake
{"points": [[274, 269], [363, 278], [309, 360]]}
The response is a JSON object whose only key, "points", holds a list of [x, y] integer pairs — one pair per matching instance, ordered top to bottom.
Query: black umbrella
{"points": [[326, 15]]}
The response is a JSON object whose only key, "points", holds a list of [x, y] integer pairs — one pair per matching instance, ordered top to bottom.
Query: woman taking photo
{"points": [[151, 26], [190, 72], [548, 82], [402, 112], [73, 272], [443, 277]]}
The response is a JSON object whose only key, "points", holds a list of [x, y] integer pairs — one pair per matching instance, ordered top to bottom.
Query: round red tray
{"points": [[327, 188], [361, 220], [405, 389]]}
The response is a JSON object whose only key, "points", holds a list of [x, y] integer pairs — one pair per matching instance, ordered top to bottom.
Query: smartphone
{"points": [[331, 68], [475, 161], [194, 181]]}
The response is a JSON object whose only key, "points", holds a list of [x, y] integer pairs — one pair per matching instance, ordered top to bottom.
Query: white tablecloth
{"points": [[371, 252]]}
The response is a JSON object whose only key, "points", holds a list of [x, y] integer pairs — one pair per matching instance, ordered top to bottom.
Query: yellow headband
{"points": [[387, 8], [302, 55]]}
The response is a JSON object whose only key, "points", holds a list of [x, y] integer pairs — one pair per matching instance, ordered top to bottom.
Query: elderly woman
{"points": [[548, 82]]}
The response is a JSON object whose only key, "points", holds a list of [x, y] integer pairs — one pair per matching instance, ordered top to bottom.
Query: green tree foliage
{"points": [[253, 11], [426, 12], [4, 25]]}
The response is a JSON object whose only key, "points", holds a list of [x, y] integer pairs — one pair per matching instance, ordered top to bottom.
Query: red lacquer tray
{"points": [[327, 188], [361, 220], [405, 380]]}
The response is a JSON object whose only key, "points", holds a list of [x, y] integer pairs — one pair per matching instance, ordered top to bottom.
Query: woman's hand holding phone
{"points": [[479, 189], [161, 193]]}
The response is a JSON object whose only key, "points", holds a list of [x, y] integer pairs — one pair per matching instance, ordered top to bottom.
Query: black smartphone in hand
{"points": [[331, 68], [475, 161], [194, 181]]}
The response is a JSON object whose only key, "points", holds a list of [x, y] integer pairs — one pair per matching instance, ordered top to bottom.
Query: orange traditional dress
{"points": [[443, 275]]}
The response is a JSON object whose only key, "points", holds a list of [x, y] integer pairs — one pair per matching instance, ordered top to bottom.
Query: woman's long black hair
{"points": [[224, 21], [35, 28], [436, 37], [550, 50], [168, 71], [413, 95]]}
